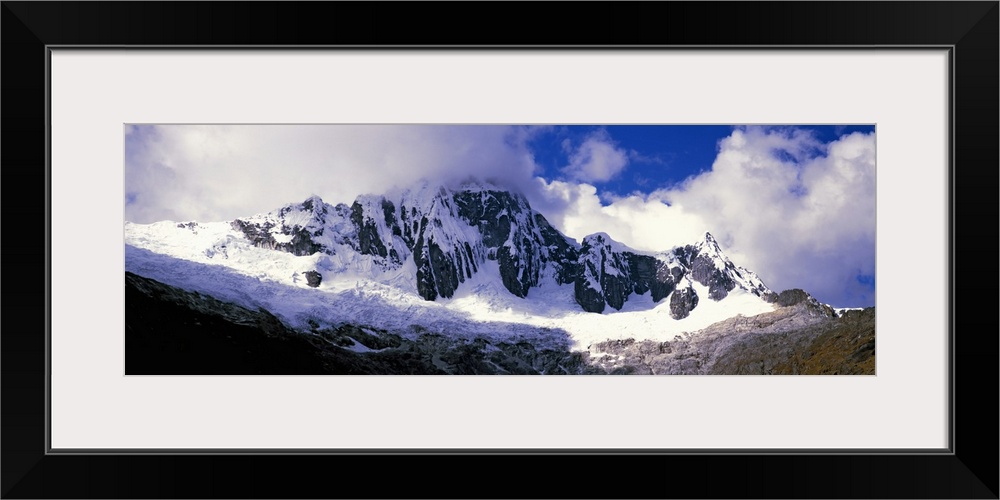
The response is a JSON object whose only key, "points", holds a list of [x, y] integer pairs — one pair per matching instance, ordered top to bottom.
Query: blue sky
{"points": [[659, 157], [796, 203]]}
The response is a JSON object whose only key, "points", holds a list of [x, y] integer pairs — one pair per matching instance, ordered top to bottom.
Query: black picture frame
{"points": [[970, 29]]}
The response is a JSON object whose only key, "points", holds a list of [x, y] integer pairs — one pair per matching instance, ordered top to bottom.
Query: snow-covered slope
{"points": [[473, 261]]}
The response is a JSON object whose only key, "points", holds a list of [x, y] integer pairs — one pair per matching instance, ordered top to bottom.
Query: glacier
{"points": [[473, 261]]}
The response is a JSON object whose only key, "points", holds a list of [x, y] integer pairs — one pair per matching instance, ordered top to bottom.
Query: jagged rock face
{"points": [[379, 228], [299, 229], [449, 235], [368, 237], [517, 237], [300, 243], [561, 254], [710, 267], [444, 270], [610, 273], [654, 275], [719, 282], [589, 297], [791, 297], [796, 297], [682, 302]]}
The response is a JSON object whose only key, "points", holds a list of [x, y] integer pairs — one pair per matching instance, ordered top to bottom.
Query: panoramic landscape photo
{"points": [[499, 249]]}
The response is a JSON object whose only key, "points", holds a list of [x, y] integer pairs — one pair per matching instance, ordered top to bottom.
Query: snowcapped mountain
{"points": [[445, 236], [457, 256]]}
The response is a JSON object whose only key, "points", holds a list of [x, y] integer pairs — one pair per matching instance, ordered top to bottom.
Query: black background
{"points": [[971, 472]]}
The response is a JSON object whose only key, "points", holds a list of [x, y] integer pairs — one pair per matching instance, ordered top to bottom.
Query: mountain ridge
{"points": [[448, 234]]}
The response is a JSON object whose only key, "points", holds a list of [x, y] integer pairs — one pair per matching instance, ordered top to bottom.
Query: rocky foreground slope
{"points": [[173, 331], [801, 336]]}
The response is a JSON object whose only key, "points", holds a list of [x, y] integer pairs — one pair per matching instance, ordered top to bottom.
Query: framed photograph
{"points": [[258, 245]]}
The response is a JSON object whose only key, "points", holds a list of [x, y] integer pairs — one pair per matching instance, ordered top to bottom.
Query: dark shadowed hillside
{"points": [[173, 331]]}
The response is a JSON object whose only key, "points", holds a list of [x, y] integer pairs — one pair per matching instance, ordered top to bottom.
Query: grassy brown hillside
{"points": [[801, 337], [840, 346]]}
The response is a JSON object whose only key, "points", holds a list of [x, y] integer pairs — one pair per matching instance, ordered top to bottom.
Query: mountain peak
{"points": [[313, 204], [599, 237], [602, 239], [710, 245]]}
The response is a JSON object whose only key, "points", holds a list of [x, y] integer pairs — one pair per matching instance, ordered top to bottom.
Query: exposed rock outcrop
{"points": [[313, 278], [682, 302]]}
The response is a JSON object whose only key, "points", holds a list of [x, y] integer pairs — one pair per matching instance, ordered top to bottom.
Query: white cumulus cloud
{"points": [[596, 159], [220, 172], [802, 220], [642, 222]]}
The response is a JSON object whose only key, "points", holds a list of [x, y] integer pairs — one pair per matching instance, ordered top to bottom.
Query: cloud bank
{"points": [[213, 172], [799, 212]]}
